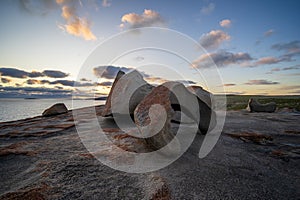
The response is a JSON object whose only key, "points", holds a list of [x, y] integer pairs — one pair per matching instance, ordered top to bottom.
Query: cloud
{"points": [[106, 3], [40, 7], [208, 9], [148, 18], [225, 23], [75, 25], [269, 33], [213, 39], [290, 47], [221, 59], [267, 61], [295, 67], [13, 72], [108, 72], [17, 73], [35, 74], [55, 74], [152, 79], [5, 80], [85, 80], [32, 81], [187, 82], [261, 82], [71, 83], [105, 83], [229, 84], [34, 91]]}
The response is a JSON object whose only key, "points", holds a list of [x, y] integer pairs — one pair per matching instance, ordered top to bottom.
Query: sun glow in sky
{"points": [[44, 43]]}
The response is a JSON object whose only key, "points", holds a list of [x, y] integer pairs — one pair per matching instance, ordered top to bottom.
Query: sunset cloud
{"points": [[208, 9], [148, 18], [225, 23], [75, 25], [213, 39], [221, 59], [267, 61], [17, 73], [55, 74], [5, 80], [261, 82], [229, 84]]}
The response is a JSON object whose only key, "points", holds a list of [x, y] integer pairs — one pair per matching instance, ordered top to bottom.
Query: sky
{"points": [[45, 45]]}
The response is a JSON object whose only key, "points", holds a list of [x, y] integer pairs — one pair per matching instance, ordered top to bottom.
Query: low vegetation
{"points": [[238, 102]]}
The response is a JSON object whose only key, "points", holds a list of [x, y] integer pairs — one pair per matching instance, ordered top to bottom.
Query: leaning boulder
{"points": [[127, 91], [202, 94], [172, 97], [255, 106], [56, 109]]}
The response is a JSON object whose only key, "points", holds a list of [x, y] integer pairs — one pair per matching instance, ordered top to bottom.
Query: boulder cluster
{"points": [[153, 109]]}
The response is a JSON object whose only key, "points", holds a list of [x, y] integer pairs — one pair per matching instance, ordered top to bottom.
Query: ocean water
{"points": [[15, 109]]}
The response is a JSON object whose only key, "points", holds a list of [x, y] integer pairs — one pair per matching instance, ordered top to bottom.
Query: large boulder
{"points": [[127, 91], [202, 94], [172, 96], [255, 106], [56, 109]]}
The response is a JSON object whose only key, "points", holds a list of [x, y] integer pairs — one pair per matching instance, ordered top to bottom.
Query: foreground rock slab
{"points": [[54, 164]]}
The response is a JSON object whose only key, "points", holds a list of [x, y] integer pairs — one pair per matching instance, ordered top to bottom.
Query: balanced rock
{"points": [[127, 92], [172, 97], [255, 106], [56, 109]]}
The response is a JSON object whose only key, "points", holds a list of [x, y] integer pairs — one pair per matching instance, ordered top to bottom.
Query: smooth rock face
{"points": [[126, 88], [202, 94], [190, 105], [255, 106], [56, 109], [107, 109]]}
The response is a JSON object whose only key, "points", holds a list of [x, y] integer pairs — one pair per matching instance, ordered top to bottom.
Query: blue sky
{"points": [[256, 47]]}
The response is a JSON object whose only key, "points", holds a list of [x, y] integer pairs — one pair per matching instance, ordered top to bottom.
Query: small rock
{"points": [[255, 106], [56, 109]]}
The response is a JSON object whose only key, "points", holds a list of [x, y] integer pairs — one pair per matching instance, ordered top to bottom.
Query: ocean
{"points": [[17, 108]]}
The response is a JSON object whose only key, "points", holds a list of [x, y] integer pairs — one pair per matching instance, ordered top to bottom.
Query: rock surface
{"points": [[126, 88], [202, 94], [166, 95], [255, 106], [56, 109], [43, 158]]}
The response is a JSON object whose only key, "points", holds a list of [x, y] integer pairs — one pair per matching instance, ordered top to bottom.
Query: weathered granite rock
{"points": [[126, 88], [202, 94], [162, 95], [255, 106], [56, 109]]}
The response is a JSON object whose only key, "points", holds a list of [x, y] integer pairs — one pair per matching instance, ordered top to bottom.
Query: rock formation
{"points": [[127, 91], [202, 94], [172, 96], [255, 106], [56, 109]]}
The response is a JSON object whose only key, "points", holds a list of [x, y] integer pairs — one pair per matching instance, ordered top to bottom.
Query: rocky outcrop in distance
{"points": [[255, 106]]}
